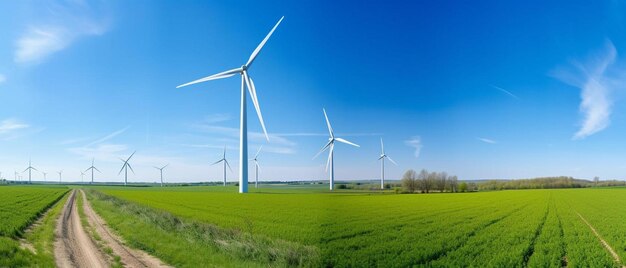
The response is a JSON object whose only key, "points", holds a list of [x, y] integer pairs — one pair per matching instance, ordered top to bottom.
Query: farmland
{"points": [[19, 207], [507, 228]]}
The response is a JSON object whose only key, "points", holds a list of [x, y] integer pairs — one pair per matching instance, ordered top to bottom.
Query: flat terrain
{"points": [[300, 226], [534, 228]]}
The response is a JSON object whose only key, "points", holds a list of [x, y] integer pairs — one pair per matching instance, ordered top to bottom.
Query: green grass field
{"points": [[19, 207], [536, 228]]}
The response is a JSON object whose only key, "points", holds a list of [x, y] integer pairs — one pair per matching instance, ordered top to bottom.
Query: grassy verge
{"points": [[41, 237], [187, 243], [117, 262]]}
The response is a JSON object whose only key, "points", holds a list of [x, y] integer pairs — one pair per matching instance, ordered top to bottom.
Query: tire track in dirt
{"points": [[604, 243], [73, 247], [129, 257]]}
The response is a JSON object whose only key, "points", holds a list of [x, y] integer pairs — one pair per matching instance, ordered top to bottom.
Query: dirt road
{"points": [[73, 247], [129, 257]]}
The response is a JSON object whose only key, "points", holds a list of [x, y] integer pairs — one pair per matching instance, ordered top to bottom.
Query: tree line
{"points": [[427, 182]]}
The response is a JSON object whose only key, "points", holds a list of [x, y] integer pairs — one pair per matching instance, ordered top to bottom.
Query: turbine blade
{"points": [[255, 53], [221, 75], [255, 101], [330, 128], [347, 142], [382, 146], [323, 149], [257, 152], [131, 156], [381, 157], [218, 162], [394, 162], [257, 165], [165, 166], [155, 167], [131, 168], [97, 169], [121, 169], [231, 170]]}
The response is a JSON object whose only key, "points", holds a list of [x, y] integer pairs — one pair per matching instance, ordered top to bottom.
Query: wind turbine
{"points": [[246, 81], [331, 152], [225, 163], [382, 164], [125, 167], [256, 167], [29, 168], [92, 168], [161, 169], [16, 174], [44, 175], [60, 175], [82, 177]]}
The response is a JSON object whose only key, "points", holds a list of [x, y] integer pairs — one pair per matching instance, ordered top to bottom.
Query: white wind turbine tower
{"points": [[246, 81], [331, 145], [225, 163], [382, 164], [125, 167], [256, 167], [30, 168], [92, 168], [161, 170], [16, 174], [60, 175], [44, 176], [82, 177]]}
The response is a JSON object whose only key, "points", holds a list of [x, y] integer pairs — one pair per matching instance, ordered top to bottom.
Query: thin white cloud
{"points": [[63, 24], [593, 77], [2, 78], [505, 91], [217, 118], [9, 125], [312, 134], [108, 137], [485, 140], [416, 143]]}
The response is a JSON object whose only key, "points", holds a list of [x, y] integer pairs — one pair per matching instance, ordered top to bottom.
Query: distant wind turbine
{"points": [[246, 81], [331, 145], [225, 163], [382, 164], [125, 167], [256, 167], [30, 168], [92, 168], [161, 170], [16, 174], [44, 176], [60, 176], [82, 177]]}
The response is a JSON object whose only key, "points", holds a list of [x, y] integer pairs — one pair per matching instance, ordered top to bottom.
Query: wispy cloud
{"points": [[64, 23], [594, 78], [505, 91], [217, 118], [10, 125], [13, 128], [312, 134], [108, 137], [485, 140], [416, 143], [278, 144], [99, 149]]}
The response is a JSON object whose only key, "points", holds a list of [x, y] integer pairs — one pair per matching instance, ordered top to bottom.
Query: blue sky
{"points": [[482, 89]]}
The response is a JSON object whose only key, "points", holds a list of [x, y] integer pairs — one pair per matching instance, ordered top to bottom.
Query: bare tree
{"points": [[409, 182]]}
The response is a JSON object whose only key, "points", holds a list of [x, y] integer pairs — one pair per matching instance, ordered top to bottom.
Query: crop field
{"points": [[19, 206], [535, 228]]}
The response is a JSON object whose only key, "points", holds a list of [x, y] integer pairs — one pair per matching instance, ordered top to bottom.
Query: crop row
{"points": [[20, 206]]}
